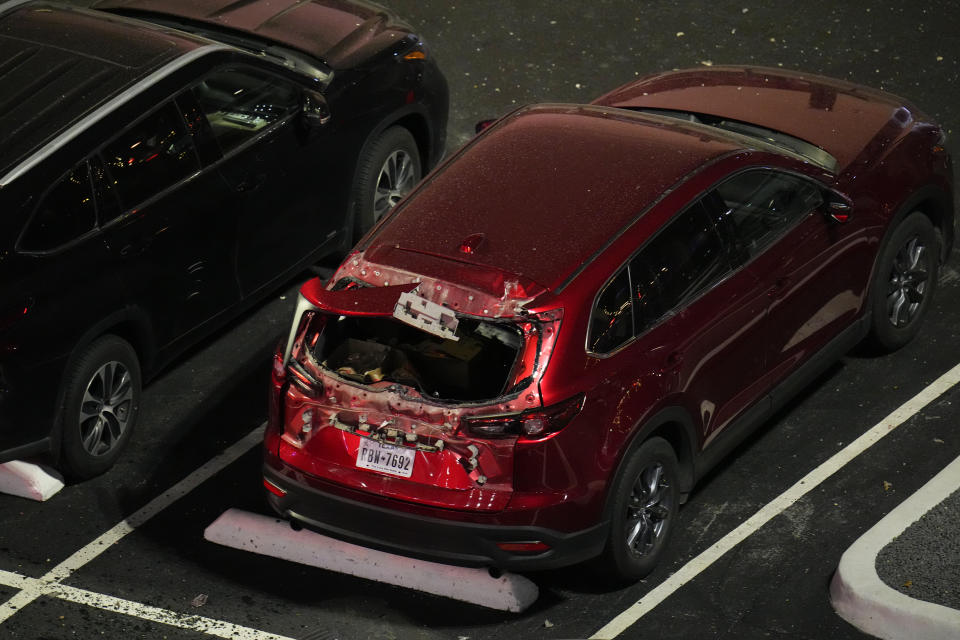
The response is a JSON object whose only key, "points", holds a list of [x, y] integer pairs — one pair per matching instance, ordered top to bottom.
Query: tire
{"points": [[388, 170], [904, 283], [101, 403], [645, 502]]}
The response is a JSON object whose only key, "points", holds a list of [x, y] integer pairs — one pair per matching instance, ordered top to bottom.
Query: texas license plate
{"points": [[388, 458]]}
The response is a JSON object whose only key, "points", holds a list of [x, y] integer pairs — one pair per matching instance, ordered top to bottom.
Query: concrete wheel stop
{"points": [[29, 480], [273, 537]]}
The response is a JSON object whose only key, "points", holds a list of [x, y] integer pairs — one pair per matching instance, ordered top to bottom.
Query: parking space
{"points": [[155, 577]]}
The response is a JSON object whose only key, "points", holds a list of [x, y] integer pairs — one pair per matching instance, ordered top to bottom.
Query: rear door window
{"points": [[152, 155], [65, 213], [685, 259], [611, 321]]}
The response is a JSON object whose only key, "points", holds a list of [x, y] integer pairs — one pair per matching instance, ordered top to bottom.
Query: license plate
{"points": [[387, 458]]}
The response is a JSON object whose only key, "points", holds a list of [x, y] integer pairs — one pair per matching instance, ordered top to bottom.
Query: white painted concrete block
{"points": [[28, 480], [272, 537], [865, 601]]}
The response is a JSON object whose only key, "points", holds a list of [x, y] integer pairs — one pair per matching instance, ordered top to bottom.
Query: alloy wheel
{"points": [[396, 179], [908, 283], [105, 408], [648, 510]]}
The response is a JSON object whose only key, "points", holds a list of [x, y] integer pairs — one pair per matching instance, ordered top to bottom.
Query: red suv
{"points": [[536, 355]]}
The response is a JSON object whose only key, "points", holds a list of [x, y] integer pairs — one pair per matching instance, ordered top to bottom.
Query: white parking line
{"points": [[809, 482], [49, 584], [36, 587]]}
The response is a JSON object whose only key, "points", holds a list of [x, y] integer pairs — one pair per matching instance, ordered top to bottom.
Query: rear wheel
{"points": [[389, 169], [904, 283], [101, 402], [644, 511]]}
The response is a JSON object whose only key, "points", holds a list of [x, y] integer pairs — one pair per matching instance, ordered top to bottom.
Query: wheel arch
{"points": [[411, 119], [416, 124], [935, 204], [130, 324], [674, 425]]}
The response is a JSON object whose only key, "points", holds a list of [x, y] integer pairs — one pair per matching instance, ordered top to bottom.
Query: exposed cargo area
{"points": [[474, 367]]}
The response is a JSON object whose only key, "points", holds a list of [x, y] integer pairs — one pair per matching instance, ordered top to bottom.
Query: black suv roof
{"points": [[58, 64]]}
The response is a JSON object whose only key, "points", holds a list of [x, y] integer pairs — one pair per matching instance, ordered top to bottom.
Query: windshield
{"points": [[802, 148]]}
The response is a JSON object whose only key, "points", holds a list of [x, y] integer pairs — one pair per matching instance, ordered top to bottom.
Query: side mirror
{"points": [[314, 107], [483, 124], [838, 207]]}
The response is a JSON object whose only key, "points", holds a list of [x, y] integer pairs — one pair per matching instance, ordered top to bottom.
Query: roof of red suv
{"points": [[57, 64], [543, 190]]}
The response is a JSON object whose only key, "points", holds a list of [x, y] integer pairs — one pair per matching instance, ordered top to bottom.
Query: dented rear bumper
{"points": [[421, 532]]}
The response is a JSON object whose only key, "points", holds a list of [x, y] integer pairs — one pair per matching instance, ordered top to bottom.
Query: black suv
{"points": [[161, 171]]}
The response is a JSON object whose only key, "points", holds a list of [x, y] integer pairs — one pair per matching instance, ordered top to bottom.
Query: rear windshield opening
{"points": [[475, 367]]}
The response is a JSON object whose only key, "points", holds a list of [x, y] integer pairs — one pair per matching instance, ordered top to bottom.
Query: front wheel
{"points": [[388, 170], [903, 285], [101, 402], [644, 511]]}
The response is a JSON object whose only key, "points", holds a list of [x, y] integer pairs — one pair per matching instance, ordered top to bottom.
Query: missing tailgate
{"points": [[479, 362]]}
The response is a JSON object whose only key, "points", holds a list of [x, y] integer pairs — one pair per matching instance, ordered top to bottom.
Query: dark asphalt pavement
{"points": [[499, 55]]}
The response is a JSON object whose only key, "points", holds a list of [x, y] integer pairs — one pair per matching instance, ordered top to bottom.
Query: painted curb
{"points": [[28, 480], [273, 537], [865, 601]]}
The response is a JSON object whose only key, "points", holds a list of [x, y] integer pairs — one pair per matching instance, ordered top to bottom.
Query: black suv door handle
{"points": [[252, 183], [778, 287]]}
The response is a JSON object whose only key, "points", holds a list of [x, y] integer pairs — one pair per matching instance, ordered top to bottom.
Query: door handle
{"points": [[252, 182], [136, 247], [778, 287], [673, 362]]}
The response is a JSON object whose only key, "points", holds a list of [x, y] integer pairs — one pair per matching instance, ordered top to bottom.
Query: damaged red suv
{"points": [[534, 357]]}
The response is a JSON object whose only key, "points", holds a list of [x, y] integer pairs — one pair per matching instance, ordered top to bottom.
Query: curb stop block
{"points": [[28, 480], [273, 537]]}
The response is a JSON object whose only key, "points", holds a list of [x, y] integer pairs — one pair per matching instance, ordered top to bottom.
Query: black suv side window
{"points": [[241, 103], [150, 156], [758, 207], [64, 214], [683, 260], [611, 321]]}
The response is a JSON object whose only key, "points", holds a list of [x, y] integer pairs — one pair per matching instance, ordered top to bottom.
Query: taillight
{"points": [[304, 380], [530, 425]]}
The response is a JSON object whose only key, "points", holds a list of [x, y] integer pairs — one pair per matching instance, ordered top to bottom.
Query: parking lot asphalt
{"points": [[63, 576]]}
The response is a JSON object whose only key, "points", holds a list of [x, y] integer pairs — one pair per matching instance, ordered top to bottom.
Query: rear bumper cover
{"points": [[412, 534]]}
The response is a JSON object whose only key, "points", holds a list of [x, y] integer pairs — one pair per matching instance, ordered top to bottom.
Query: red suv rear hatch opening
{"points": [[375, 402]]}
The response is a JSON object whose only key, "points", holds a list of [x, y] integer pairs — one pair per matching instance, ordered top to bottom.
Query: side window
{"points": [[240, 103], [152, 155], [760, 206], [65, 213], [684, 259], [611, 321]]}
